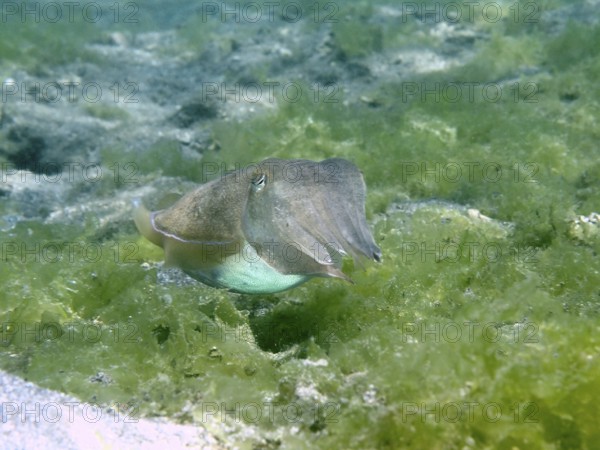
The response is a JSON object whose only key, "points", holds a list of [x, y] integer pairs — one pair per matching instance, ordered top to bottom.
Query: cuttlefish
{"points": [[267, 227]]}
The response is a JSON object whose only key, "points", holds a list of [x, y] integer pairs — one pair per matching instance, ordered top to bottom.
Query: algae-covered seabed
{"points": [[478, 138]]}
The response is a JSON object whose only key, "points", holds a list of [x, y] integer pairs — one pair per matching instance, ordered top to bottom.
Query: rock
{"points": [[192, 112], [585, 228], [32, 416]]}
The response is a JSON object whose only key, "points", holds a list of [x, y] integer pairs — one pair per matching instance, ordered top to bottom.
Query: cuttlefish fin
{"points": [[144, 223], [334, 272]]}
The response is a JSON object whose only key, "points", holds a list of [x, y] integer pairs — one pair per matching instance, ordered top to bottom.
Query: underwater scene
{"points": [[462, 310]]}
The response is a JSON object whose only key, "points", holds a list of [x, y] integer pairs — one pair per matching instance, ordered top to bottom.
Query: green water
{"points": [[472, 333]]}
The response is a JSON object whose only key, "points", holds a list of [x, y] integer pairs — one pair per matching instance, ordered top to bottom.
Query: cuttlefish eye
{"points": [[259, 182]]}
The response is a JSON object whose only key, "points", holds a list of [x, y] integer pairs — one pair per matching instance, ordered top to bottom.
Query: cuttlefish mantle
{"points": [[266, 228]]}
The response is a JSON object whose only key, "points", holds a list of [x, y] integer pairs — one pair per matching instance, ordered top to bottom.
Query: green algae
{"points": [[36, 37], [106, 112], [164, 157], [473, 333]]}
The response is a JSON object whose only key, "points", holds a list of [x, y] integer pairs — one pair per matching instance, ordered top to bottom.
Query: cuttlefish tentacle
{"points": [[259, 230]]}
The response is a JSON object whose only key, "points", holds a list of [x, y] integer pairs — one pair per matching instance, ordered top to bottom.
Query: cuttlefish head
{"points": [[266, 228]]}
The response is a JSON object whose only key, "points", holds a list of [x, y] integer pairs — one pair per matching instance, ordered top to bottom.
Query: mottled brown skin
{"points": [[299, 216]]}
